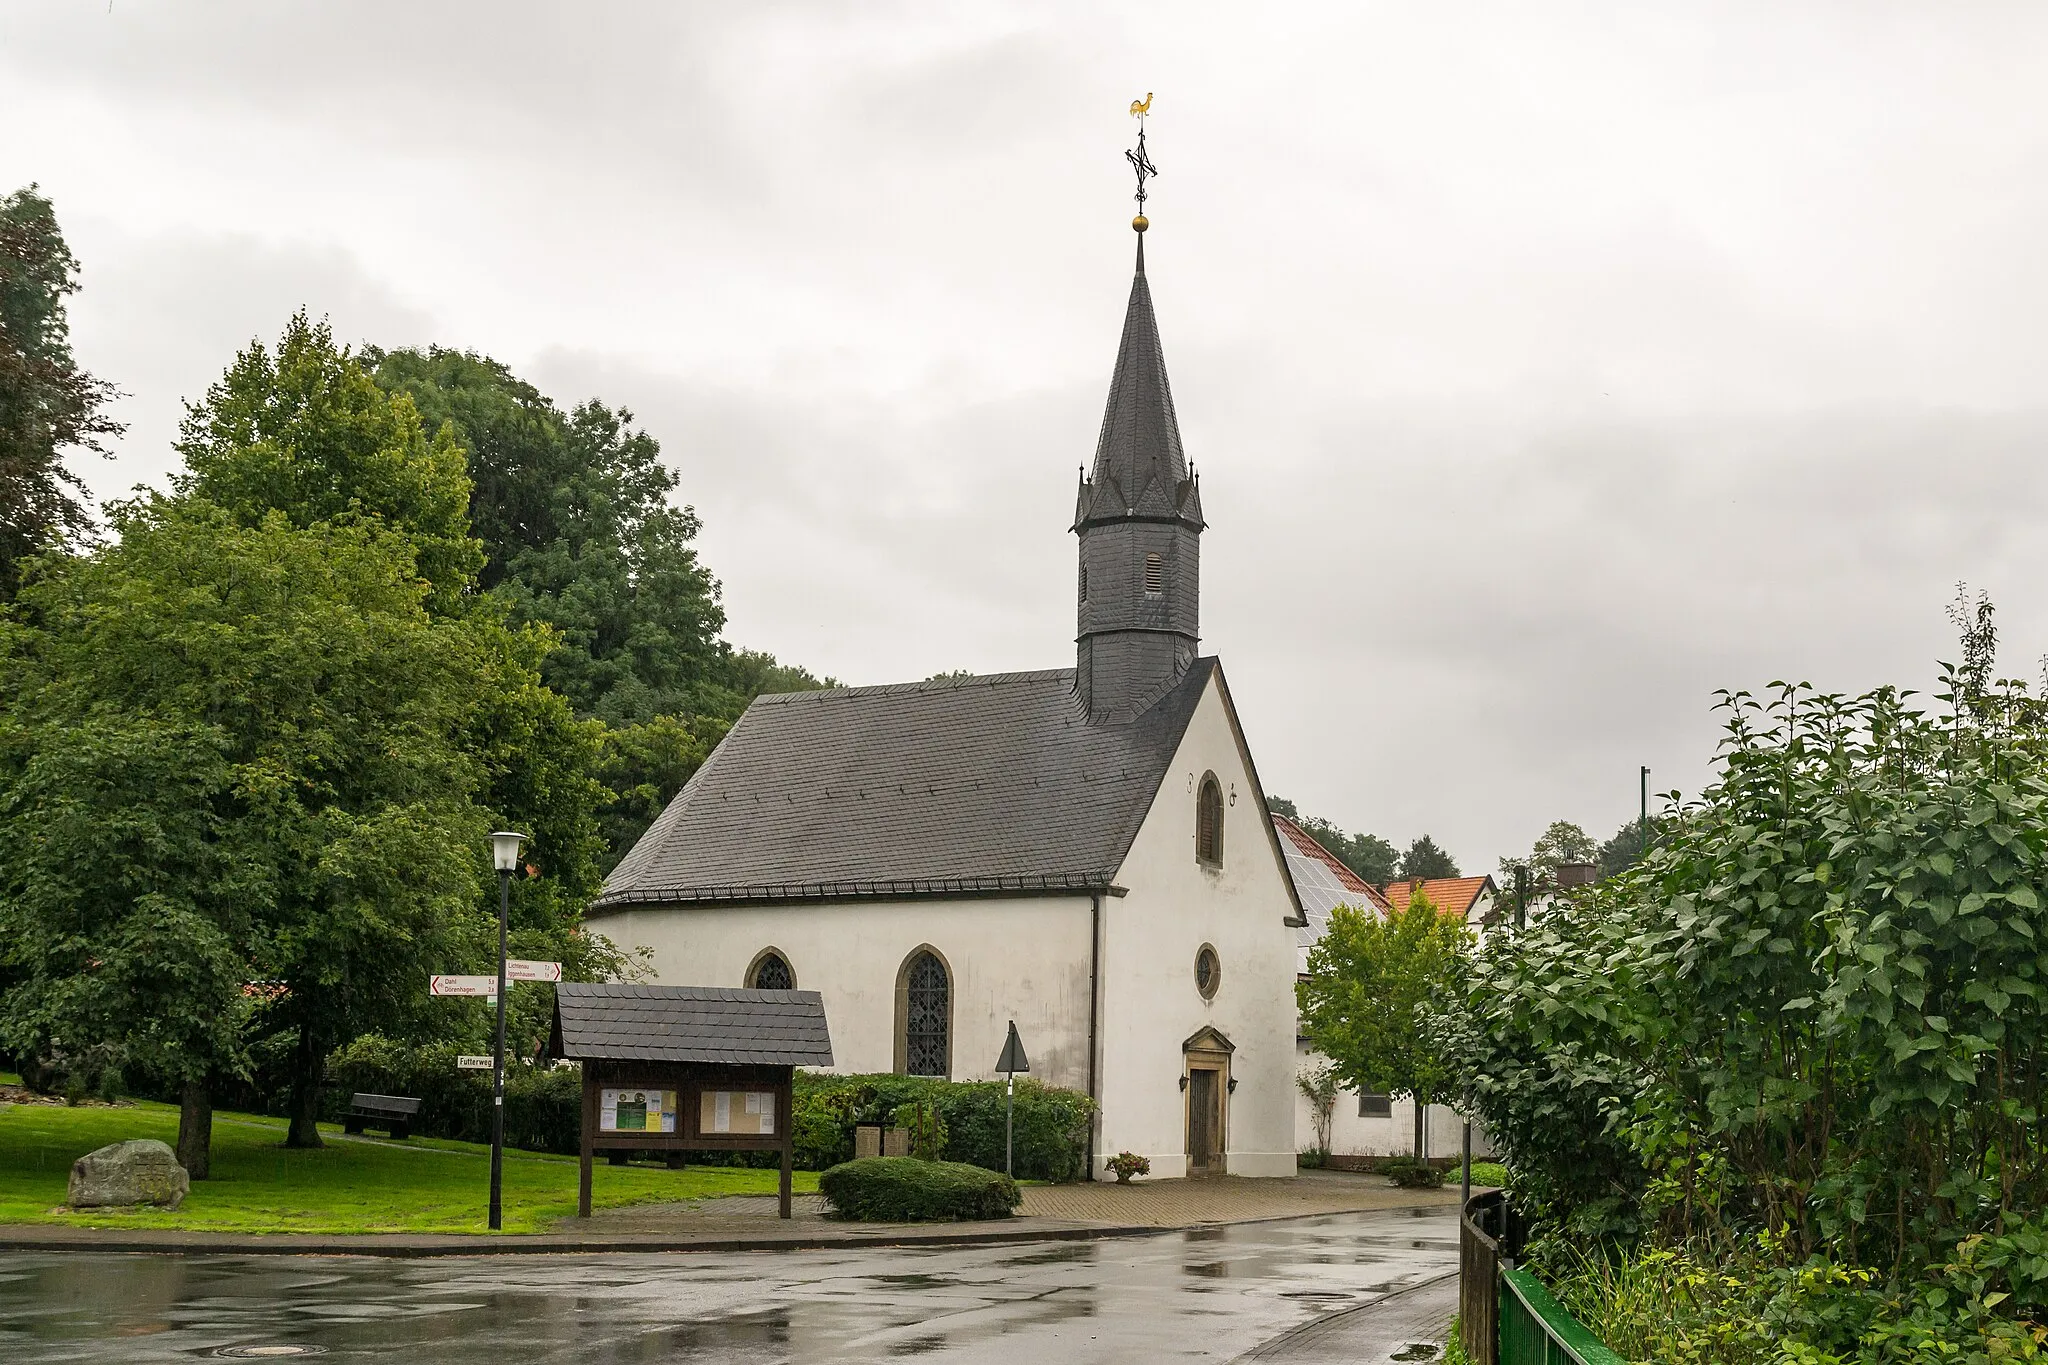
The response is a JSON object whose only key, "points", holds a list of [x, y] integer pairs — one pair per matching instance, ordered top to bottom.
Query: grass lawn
{"points": [[259, 1185]]}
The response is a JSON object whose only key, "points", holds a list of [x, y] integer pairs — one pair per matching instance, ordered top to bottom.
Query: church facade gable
{"points": [[1198, 965]]}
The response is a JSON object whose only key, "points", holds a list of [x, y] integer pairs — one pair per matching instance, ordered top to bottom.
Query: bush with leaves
{"points": [[1816, 1013], [1050, 1131], [902, 1189]]}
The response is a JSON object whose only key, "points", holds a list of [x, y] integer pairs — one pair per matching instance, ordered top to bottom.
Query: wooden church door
{"points": [[1205, 1123]]}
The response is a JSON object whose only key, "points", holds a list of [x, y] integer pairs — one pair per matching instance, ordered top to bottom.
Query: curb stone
{"points": [[28, 1237]]}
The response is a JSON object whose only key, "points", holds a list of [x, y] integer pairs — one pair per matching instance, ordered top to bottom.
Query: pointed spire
{"points": [[1140, 469]]}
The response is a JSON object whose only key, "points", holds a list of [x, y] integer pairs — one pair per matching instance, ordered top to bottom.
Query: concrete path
{"points": [[1210, 1294]]}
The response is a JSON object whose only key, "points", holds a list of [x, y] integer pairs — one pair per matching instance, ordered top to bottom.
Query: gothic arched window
{"points": [[1155, 575], [1209, 821], [771, 972], [926, 994]]}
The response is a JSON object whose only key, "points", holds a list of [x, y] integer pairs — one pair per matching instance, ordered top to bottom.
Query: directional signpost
{"points": [[505, 860], [1010, 1063]]}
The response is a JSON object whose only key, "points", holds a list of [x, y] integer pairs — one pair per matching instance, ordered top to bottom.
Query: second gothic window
{"points": [[1155, 575], [1209, 821], [772, 973], [926, 1018]]}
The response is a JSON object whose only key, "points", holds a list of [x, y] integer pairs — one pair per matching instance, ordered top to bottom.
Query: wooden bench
{"points": [[392, 1113]]}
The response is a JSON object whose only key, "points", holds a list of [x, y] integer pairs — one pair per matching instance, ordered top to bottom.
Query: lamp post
{"points": [[505, 858]]}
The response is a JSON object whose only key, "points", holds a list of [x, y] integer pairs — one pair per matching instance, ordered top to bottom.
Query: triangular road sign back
{"points": [[1013, 1059]]}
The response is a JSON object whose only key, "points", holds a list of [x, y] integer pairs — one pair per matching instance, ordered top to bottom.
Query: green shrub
{"points": [[1051, 1123], [1124, 1165], [1488, 1173], [1412, 1174], [903, 1189]]}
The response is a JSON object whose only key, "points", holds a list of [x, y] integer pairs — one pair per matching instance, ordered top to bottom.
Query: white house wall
{"points": [[1150, 938], [1025, 959], [1354, 1135]]}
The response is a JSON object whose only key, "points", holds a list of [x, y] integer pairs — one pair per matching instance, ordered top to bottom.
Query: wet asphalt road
{"points": [[1213, 1294]]}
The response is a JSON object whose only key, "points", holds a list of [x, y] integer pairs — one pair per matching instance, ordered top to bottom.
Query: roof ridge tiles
{"points": [[825, 694]]}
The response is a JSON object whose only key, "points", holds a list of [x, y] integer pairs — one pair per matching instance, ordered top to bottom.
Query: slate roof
{"points": [[1140, 469], [984, 785], [1323, 883], [617, 1022]]}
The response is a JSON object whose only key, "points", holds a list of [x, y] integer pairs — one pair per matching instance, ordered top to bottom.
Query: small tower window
{"points": [[1155, 575], [1084, 582], [1209, 822], [1208, 972]]}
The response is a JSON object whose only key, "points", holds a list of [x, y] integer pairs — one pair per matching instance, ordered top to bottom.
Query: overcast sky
{"points": [[1548, 367]]}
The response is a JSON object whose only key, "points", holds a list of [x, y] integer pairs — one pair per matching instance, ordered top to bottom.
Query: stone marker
{"points": [[140, 1171]]}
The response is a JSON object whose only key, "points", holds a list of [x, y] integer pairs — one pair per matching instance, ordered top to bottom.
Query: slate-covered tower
{"points": [[1139, 518]]}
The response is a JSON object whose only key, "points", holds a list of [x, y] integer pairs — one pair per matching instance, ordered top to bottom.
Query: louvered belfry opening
{"points": [[1139, 519], [1209, 822]]}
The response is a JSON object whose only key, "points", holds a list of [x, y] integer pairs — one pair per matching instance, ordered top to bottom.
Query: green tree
{"points": [[47, 404], [307, 433], [582, 532], [321, 833], [1623, 851], [1425, 860], [126, 905], [1375, 998]]}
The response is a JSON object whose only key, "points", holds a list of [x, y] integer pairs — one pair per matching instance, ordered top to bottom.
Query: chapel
{"points": [[1084, 850]]}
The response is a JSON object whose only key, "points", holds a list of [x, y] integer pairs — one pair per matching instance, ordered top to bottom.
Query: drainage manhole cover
{"points": [[1329, 1295], [276, 1351]]}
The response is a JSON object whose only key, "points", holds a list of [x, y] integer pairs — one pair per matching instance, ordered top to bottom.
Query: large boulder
{"points": [[139, 1171]]}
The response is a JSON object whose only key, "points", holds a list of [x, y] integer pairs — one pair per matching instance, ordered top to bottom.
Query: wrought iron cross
{"points": [[1141, 164]]}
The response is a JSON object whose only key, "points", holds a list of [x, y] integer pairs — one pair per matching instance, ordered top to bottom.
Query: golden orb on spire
{"points": [[1139, 224]]}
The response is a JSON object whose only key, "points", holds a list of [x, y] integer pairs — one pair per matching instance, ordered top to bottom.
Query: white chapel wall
{"points": [[1151, 936], [1024, 958]]}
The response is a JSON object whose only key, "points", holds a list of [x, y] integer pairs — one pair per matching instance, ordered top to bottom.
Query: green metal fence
{"points": [[1535, 1329]]}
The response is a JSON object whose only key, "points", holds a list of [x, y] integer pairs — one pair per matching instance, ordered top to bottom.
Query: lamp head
{"points": [[505, 850]]}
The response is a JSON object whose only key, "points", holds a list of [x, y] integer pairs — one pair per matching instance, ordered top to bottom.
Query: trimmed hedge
{"points": [[1051, 1123], [903, 1189]]}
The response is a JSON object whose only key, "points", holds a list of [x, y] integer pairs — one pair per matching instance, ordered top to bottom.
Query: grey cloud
{"points": [[1546, 369]]}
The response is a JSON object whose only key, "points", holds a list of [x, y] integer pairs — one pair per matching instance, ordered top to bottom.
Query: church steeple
{"points": [[1139, 519]]}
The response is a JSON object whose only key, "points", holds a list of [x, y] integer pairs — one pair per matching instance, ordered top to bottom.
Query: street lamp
{"points": [[505, 858]]}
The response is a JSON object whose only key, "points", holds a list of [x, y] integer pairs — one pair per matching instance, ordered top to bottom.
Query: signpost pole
{"points": [[1010, 1063]]}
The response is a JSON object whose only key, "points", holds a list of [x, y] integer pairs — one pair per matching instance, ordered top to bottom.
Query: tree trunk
{"points": [[308, 1066], [1421, 1116], [195, 1128]]}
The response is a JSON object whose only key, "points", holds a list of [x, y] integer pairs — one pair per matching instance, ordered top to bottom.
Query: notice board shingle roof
{"points": [[988, 784], [617, 1022]]}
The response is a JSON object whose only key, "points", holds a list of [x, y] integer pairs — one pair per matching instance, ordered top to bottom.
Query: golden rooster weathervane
{"points": [[1141, 164]]}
